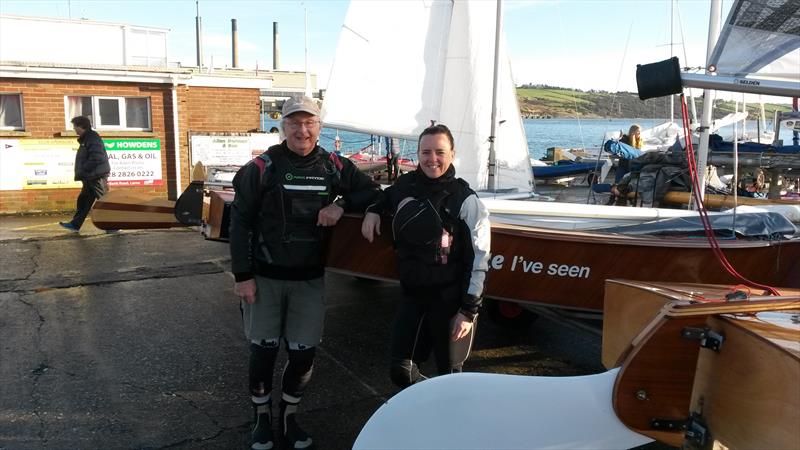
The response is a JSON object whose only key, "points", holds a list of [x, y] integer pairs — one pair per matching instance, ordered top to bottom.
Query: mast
{"points": [[671, 54], [708, 99], [491, 185]]}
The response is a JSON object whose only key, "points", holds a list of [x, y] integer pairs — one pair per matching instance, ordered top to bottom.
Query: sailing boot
{"points": [[291, 432], [261, 437]]}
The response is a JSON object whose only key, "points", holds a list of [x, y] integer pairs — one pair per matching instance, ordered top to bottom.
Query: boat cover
{"points": [[718, 144], [621, 149], [565, 168], [754, 225]]}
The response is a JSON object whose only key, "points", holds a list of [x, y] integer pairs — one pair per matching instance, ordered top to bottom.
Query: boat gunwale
{"points": [[597, 237]]}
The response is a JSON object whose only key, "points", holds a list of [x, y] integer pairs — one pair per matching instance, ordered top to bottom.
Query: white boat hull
{"points": [[480, 411]]}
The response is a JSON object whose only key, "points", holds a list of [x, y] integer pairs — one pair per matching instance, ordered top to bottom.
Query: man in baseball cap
{"points": [[286, 202]]}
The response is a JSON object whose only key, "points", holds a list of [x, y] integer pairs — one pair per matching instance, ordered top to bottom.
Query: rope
{"points": [[712, 240]]}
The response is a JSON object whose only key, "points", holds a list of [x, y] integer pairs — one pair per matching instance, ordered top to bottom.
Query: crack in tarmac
{"points": [[35, 263], [141, 273], [133, 274], [39, 370], [244, 426], [220, 429]]}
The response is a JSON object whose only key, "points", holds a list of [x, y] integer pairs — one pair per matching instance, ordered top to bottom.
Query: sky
{"points": [[583, 44]]}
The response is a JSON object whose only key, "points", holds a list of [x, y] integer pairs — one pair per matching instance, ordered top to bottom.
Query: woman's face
{"points": [[637, 132], [435, 155]]}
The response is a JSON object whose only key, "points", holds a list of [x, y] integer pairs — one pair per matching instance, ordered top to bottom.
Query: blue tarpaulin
{"points": [[622, 150]]}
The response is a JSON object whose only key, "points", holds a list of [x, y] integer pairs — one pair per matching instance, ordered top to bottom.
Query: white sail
{"points": [[760, 37], [439, 67], [386, 78], [467, 101]]}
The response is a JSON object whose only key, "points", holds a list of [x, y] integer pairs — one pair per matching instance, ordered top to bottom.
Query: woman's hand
{"points": [[371, 226], [461, 327]]}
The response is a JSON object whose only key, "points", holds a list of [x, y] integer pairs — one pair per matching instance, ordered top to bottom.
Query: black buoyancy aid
{"points": [[291, 198], [433, 244]]}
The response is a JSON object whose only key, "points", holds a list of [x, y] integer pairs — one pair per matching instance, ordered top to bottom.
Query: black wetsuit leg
{"points": [[410, 342], [449, 355], [262, 363]]}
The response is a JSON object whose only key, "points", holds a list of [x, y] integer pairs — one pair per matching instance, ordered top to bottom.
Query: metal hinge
{"points": [[708, 338], [695, 431], [697, 434]]}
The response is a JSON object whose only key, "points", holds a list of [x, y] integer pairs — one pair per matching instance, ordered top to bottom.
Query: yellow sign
{"points": [[48, 163]]}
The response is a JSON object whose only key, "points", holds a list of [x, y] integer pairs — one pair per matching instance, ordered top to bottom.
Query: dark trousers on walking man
{"points": [[90, 192]]}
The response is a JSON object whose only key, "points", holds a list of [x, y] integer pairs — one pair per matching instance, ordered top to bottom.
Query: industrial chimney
{"points": [[199, 36], [234, 44], [275, 55]]}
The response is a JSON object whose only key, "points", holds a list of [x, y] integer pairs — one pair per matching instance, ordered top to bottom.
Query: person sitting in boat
{"points": [[634, 139], [442, 238]]}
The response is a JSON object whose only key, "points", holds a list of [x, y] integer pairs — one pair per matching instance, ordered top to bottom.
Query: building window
{"points": [[11, 112], [111, 113]]}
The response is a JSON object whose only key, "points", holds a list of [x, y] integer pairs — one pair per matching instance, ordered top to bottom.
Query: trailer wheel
{"points": [[509, 314]]}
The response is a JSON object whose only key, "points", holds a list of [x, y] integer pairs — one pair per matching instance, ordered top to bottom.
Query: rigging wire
{"points": [[712, 241]]}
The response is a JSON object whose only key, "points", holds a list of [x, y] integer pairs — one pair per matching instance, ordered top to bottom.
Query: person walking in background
{"points": [[392, 160], [91, 169], [285, 203], [442, 238]]}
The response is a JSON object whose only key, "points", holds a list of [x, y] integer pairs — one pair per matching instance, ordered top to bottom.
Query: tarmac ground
{"points": [[133, 341]]}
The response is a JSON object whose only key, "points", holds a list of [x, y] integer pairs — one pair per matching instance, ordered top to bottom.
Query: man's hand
{"points": [[329, 215], [371, 226], [246, 290], [461, 327]]}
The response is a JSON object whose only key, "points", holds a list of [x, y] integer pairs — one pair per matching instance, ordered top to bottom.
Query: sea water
{"points": [[541, 134]]}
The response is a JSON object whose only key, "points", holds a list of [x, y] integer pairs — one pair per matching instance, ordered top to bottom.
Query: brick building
{"points": [[148, 110]]}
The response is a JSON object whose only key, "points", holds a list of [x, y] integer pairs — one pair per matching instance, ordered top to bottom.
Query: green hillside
{"points": [[554, 102]]}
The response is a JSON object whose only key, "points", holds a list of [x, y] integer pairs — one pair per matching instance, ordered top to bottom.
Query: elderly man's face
{"points": [[302, 132]]}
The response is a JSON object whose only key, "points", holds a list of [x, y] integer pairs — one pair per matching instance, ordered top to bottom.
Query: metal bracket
{"points": [[708, 338], [668, 424], [695, 430], [697, 433]]}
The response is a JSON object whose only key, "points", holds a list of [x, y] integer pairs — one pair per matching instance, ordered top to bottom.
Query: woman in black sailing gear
{"points": [[441, 233]]}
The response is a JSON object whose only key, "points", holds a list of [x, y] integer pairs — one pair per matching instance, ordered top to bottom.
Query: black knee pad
{"points": [[262, 363], [298, 369], [404, 373]]}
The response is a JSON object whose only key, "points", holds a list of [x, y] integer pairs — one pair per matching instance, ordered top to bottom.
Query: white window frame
{"points": [[121, 103], [120, 110], [21, 113]]}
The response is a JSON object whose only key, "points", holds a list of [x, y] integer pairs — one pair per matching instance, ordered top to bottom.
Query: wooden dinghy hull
{"points": [[724, 201], [125, 210], [568, 269], [671, 353], [704, 373]]}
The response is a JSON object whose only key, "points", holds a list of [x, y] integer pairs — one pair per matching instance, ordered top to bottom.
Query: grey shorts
{"points": [[294, 310]]}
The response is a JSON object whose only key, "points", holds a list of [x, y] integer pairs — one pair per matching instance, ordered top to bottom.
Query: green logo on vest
{"points": [[289, 177]]}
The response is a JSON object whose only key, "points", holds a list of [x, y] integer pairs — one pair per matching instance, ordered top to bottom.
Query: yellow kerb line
{"points": [[41, 225]]}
